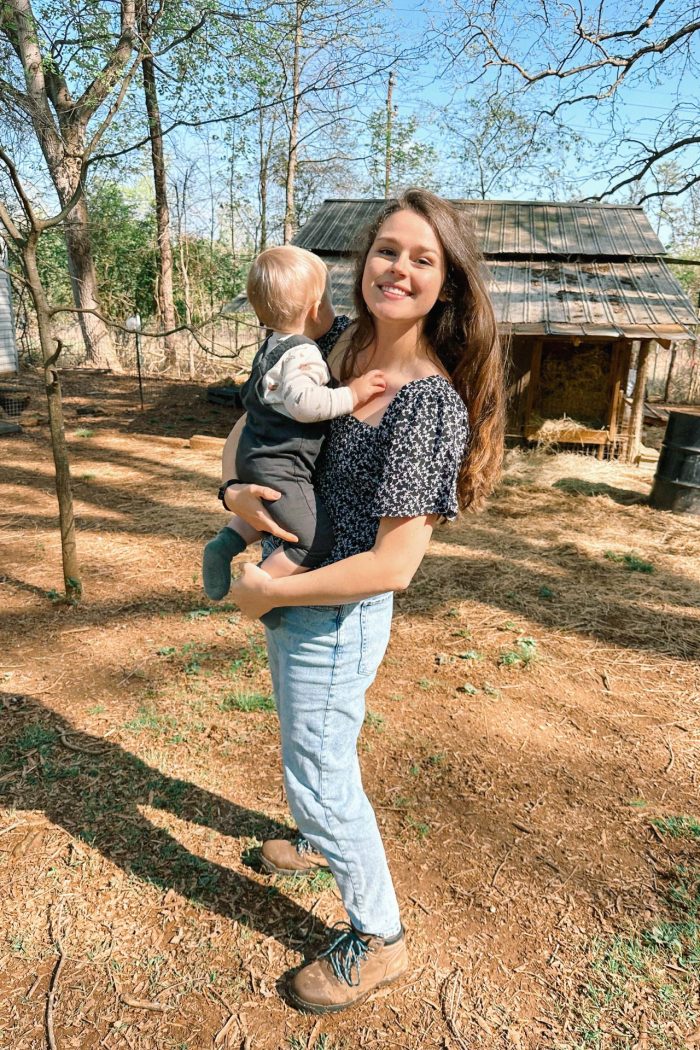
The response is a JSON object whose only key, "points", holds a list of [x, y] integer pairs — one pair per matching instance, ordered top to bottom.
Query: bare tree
{"points": [[328, 52], [593, 53], [41, 94], [391, 111], [294, 112], [61, 126], [21, 234], [166, 300]]}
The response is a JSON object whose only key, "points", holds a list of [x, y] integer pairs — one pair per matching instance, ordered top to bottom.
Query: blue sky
{"points": [[638, 106]]}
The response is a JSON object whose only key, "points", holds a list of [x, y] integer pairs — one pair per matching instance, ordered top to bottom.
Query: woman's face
{"points": [[405, 269]]}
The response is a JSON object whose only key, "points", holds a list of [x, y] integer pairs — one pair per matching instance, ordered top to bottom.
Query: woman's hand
{"points": [[246, 501], [249, 591]]}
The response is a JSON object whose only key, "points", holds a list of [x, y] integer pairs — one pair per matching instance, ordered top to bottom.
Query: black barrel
{"points": [[677, 478]]}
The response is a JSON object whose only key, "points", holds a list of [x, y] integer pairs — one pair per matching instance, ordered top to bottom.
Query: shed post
{"points": [[620, 356], [669, 374], [533, 381], [634, 427]]}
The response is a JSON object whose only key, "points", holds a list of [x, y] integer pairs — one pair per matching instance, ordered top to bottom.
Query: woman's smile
{"points": [[392, 291]]}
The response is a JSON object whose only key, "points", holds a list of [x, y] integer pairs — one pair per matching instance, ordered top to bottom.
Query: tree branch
{"points": [[23, 38], [623, 63], [95, 93], [20, 99], [113, 110], [226, 118], [652, 159], [18, 188], [6, 220], [14, 276], [122, 328]]}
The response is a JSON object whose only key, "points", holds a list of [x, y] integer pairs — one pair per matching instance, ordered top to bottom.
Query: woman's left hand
{"points": [[249, 591]]}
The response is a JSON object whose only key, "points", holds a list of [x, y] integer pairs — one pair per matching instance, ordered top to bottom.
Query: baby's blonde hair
{"points": [[283, 283]]}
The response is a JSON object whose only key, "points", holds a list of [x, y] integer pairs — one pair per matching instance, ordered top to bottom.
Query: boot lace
{"points": [[303, 846], [345, 954]]}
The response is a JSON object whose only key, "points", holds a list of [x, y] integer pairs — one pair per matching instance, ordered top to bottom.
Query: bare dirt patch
{"points": [[531, 747]]}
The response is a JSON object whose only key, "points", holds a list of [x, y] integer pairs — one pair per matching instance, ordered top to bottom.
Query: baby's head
{"points": [[286, 285]]}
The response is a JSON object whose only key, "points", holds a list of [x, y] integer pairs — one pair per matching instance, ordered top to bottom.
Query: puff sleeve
{"points": [[423, 453]]}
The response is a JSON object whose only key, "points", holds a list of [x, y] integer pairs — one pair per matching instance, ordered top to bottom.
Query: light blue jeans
{"points": [[323, 659]]}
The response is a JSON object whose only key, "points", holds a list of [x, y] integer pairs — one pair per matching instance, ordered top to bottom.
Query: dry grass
{"points": [[533, 821]]}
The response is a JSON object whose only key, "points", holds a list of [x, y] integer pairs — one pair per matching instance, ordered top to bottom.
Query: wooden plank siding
{"points": [[8, 344]]}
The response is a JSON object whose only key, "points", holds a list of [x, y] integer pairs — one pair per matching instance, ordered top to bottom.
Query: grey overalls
{"points": [[280, 452]]}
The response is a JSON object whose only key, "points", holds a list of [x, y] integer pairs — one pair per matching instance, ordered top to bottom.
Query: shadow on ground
{"points": [[94, 789]]}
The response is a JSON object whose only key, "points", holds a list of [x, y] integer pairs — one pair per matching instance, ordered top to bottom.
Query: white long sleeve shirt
{"points": [[297, 386]]}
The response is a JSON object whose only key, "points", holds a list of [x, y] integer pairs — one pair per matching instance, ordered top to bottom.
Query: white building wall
{"points": [[8, 344]]}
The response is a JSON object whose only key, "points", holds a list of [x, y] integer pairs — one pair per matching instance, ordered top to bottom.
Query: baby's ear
{"points": [[313, 312]]}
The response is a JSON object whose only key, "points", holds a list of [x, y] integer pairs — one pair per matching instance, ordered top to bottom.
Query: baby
{"points": [[288, 401]]}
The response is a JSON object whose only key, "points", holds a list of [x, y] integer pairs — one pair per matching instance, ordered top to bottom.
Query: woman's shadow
{"points": [[94, 789]]}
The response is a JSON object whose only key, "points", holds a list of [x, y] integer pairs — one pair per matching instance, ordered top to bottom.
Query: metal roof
{"points": [[506, 228], [555, 269], [636, 299]]}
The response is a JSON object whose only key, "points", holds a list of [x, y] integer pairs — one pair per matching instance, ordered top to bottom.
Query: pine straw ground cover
{"points": [[530, 746]]}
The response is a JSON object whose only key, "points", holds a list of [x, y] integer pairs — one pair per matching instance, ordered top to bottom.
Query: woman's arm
{"points": [[228, 456], [389, 566]]}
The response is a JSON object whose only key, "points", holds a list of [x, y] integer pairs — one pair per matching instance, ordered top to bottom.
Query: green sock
{"points": [[216, 562]]}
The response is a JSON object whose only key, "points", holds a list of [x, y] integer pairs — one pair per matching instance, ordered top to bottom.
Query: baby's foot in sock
{"points": [[216, 562]]}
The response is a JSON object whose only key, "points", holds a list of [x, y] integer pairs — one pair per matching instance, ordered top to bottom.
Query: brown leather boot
{"points": [[281, 857], [348, 972]]}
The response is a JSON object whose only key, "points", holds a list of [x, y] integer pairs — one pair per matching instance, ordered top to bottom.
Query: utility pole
{"points": [[390, 114]]}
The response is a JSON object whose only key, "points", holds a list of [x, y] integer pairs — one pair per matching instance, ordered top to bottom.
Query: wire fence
{"points": [[220, 350]]}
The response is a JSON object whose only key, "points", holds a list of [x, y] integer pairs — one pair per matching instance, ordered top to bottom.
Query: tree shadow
{"points": [[174, 407], [182, 409], [582, 487], [147, 515], [22, 585], [561, 588], [94, 788]]}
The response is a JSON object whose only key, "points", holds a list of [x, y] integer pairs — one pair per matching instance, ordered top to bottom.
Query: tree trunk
{"points": [[389, 126], [63, 146], [264, 158], [65, 175], [180, 206], [289, 214], [165, 252], [187, 296], [97, 337], [669, 374], [693, 375], [634, 429], [69, 552]]}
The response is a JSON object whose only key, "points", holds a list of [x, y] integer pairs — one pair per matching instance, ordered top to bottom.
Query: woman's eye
{"points": [[385, 251], [425, 262]]}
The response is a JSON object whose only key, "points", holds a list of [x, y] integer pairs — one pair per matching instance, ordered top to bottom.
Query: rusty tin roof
{"points": [[505, 228], [554, 269], [639, 299]]}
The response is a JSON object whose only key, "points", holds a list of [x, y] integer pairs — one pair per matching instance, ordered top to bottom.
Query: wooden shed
{"points": [[581, 290]]}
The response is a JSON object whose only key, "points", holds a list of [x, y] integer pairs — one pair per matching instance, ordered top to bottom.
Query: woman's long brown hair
{"points": [[460, 331]]}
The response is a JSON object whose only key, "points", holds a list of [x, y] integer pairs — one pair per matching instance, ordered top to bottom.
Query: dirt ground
{"points": [[531, 747]]}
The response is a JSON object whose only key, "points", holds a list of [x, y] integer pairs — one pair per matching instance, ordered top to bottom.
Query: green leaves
{"points": [[521, 655]]}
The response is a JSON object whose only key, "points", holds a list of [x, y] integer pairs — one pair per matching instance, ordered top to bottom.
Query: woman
{"points": [[430, 445]]}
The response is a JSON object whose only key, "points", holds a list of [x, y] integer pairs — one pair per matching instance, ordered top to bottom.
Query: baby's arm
{"points": [[301, 377]]}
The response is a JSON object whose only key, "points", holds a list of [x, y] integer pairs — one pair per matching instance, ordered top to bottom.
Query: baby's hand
{"points": [[365, 387]]}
